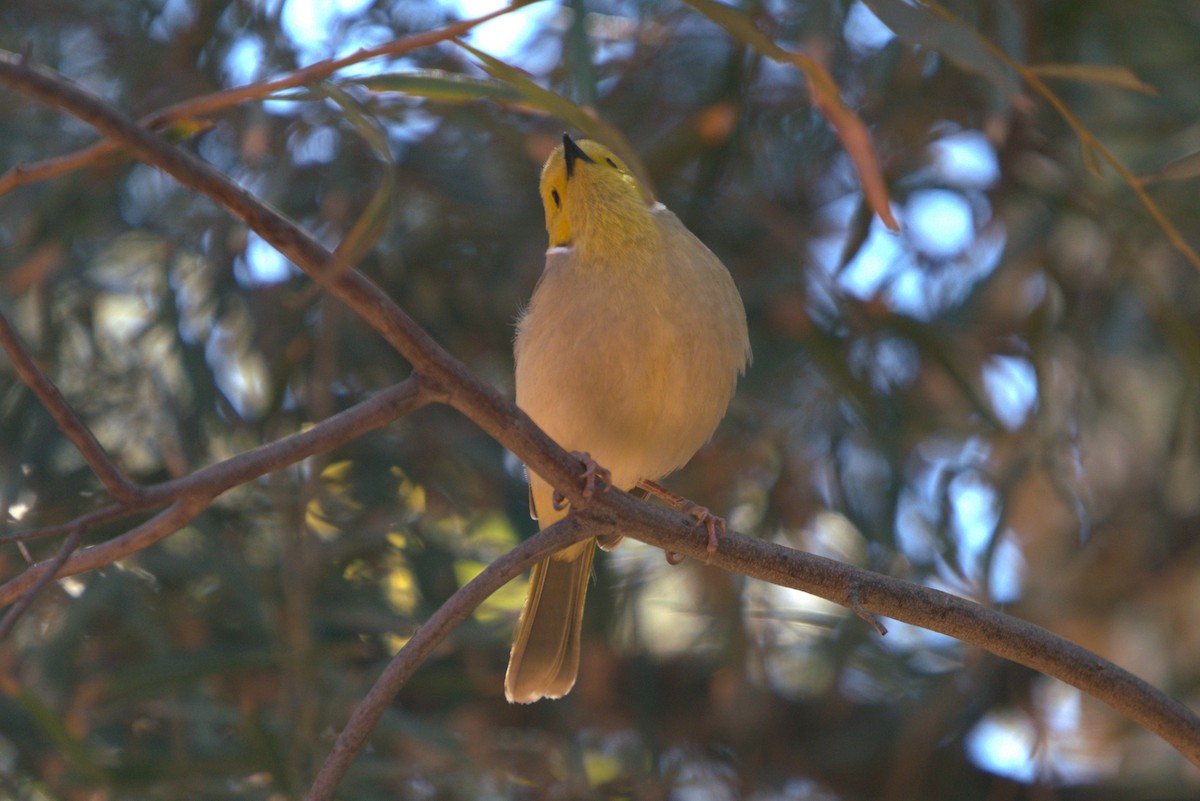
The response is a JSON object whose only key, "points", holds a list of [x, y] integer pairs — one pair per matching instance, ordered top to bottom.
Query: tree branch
{"points": [[205, 105], [466, 393], [68, 422], [210, 482], [162, 525], [47, 575], [448, 616], [1008, 637]]}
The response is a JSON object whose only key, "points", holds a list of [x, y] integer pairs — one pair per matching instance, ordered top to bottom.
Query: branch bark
{"points": [[218, 101], [212, 481], [449, 615], [1013, 639]]}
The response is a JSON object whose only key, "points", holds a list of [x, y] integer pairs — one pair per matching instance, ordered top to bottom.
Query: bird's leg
{"points": [[593, 474], [714, 525]]}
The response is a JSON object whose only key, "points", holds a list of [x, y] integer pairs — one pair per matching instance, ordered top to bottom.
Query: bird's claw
{"points": [[593, 475], [714, 525]]}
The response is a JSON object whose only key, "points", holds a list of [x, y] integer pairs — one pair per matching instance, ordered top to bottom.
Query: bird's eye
{"points": [[612, 164], [557, 200]]}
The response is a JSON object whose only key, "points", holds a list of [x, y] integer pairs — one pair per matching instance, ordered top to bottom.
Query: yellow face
{"points": [[583, 182]]}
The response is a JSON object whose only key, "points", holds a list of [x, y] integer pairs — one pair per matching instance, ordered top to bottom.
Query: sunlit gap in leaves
{"points": [[318, 27], [863, 31], [510, 37], [950, 240], [947, 520], [1051, 742]]}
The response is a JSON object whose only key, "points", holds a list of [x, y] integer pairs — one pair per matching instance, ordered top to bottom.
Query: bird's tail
{"points": [[545, 652]]}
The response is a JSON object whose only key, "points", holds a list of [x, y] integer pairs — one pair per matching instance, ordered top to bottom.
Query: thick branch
{"points": [[218, 101], [466, 393], [379, 410], [68, 422], [448, 616], [1014, 639]]}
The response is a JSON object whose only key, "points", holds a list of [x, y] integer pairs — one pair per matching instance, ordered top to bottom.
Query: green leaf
{"points": [[920, 26], [740, 27], [1120, 77], [446, 87], [570, 113], [371, 224], [55, 730]]}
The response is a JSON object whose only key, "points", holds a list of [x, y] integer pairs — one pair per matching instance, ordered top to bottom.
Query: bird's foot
{"points": [[593, 476], [715, 526]]}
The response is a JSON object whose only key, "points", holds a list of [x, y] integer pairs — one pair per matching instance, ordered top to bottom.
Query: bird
{"points": [[627, 355]]}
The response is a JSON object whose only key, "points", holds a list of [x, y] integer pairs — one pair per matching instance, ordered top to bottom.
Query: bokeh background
{"points": [[1002, 401]]}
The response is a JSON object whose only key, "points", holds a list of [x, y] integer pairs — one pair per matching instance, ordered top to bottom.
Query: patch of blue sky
{"points": [[173, 16], [314, 25], [864, 32], [510, 37], [243, 63], [415, 126], [315, 146], [965, 159], [938, 222], [947, 244], [261, 265], [925, 292], [1011, 385], [971, 500], [976, 511], [1006, 580], [906, 638], [1003, 743], [1055, 747]]}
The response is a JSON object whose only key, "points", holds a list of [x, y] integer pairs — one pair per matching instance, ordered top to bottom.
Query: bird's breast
{"points": [[626, 362]]}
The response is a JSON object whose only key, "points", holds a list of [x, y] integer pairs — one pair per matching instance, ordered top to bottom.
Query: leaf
{"points": [[918, 25], [1120, 77], [440, 85], [570, 113], [851, 131], [1181, 169], [371, 224], [859, 230], [49, 725]]}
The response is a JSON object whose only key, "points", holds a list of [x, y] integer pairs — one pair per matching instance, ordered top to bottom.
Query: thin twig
{"points": [[219, 101], [1087, 139], [464, 391], [377, 411], [68, 422], [163, 524], [60, 558], [449, 615], [1011, 638]]}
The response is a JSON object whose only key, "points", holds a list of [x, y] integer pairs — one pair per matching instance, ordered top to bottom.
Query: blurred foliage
{"points": [[1003, 400]]}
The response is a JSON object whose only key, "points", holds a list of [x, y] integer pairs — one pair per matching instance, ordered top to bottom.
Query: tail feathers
{"points": [[545, 653]]}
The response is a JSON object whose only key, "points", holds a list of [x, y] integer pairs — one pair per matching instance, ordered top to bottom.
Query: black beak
{"points": [[571, 152]]}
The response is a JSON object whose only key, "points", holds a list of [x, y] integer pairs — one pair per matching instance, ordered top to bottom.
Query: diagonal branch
{"points": [[219, 101], [465, 392], [375, 412], [68, 422], [162, 525], [69, 546], [449, 615], [1008, 637]]}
